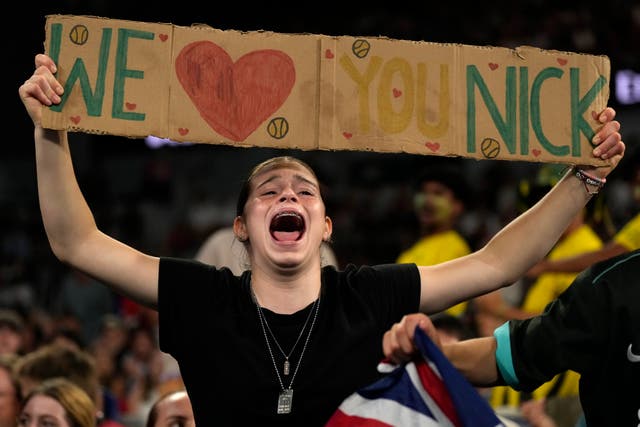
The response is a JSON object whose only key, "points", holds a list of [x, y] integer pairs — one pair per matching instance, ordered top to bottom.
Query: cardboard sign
{"points": [[316, 92]]}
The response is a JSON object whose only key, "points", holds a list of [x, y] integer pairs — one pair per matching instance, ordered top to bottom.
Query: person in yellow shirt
{"points": [[441, 196], [439, 201], [579, 238], [625, 240]]}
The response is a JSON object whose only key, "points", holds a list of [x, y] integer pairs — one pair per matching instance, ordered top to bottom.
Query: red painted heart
{"points": [[163, 37], [328, 54], [493, 66], [396, 92], [234, 98], [130, 105], [75, 119], [347, 135], [433, 146], [536, 152]]}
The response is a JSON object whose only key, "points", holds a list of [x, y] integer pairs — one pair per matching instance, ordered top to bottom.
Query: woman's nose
{"points": [[288, 194]]}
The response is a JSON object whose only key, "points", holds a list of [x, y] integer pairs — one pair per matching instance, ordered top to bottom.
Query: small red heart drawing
{"points": [[163, 37], [328, 54], [562, 61], [493, 65], [396, 92], [234, 97], [130, 105], [75, 119], [183, 131], [347, 135], [433, 146], [536, 152]]}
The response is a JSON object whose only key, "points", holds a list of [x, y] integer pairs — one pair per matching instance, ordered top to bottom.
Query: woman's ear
{"points": [[240, 229], [328, 229]]}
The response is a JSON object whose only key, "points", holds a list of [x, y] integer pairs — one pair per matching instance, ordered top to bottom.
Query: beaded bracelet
{"points": [[589, 179]]}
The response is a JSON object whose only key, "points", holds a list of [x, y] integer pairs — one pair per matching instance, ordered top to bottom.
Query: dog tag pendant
{"points": [[286, 367], [285, 399]]}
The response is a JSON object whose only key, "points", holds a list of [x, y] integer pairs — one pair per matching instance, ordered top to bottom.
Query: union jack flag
{"points": [[428, 391]]}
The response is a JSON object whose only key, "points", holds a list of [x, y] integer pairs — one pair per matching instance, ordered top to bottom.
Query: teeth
{"points": [[287, 214], [287, 222]]}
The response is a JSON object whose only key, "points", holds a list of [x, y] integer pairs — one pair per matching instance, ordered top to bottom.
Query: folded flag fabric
{"points": [[428, 391]]}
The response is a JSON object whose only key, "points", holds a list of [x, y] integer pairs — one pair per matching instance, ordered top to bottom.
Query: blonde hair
{"points": [[79, 409]]}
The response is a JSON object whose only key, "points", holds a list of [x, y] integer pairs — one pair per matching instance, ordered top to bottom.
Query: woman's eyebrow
{"points": [[304, 179], [268, 180]]}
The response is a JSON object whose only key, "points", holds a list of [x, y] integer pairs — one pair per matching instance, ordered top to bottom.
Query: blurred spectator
{"points": [[439, 200], [625, 240], [222, 248], [86, 300], [491, 310], [450, 328], [11, 330], [69, 337], [112, 338], [107, 351], [76, 365], [142, 366], [9, 398], [57, 402], [171, 410]]}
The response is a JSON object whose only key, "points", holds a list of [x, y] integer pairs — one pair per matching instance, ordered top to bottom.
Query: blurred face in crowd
{"points": [[436, 206], [10, 340], [9, 400], [57, 402], [43, 411], [174, 411]]}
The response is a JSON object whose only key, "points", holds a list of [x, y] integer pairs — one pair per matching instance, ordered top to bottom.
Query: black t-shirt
{"points": [[210, 324], [592, 328]]}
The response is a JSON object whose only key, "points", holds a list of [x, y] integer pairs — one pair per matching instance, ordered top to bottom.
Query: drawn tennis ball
{"points": [[79, 34], [360, 48], [278, 127], [490, 148]]}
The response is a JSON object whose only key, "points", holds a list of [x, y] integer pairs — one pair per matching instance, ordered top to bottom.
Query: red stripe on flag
{"points": [[436, 388]]}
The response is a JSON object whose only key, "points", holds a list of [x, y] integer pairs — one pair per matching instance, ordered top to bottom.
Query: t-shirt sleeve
{"points": [[185, 289], [391, 290], [566, 336]]}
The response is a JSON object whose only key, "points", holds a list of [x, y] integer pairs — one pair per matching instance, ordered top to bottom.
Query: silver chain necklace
{"points": [[287, 365], [285, 397]]}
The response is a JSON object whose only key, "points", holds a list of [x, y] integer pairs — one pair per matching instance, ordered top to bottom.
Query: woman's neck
{"points": [[286, 294]]}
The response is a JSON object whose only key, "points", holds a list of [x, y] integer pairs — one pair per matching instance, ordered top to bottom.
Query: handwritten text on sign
{"points": [[204, 85]]}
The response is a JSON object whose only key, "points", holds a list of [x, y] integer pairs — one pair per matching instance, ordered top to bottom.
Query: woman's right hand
{"points": [[41, 89], [397, 342]]}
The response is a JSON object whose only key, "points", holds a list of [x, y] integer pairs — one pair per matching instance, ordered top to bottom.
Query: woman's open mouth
{"points": [[287, 226]]}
